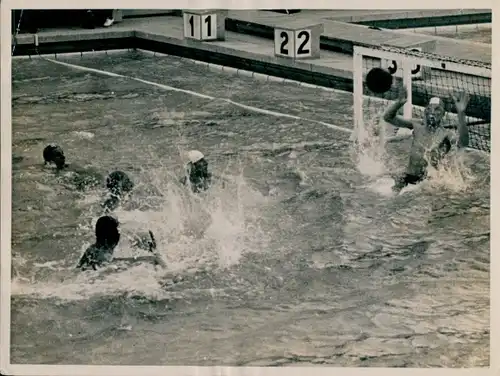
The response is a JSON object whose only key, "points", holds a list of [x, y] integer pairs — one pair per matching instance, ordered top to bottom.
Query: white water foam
{"points": [[84, 135], [371, 151], [453, 174], [193, 232]]}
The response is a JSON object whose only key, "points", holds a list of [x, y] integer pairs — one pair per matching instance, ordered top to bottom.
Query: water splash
{"points": [[371, 144], [453, 174], [193, 232]]}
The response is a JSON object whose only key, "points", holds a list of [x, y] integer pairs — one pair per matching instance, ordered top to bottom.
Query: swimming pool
{"points": [[297, 260]]}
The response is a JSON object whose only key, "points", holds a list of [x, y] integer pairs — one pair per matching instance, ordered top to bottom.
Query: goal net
{"points": [[425, 76]]}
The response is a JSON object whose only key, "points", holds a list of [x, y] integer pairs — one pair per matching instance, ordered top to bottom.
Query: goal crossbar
{"points": [[471, 67]]}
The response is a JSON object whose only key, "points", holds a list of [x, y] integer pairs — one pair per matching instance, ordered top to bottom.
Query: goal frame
{"points": [[408, 59]]}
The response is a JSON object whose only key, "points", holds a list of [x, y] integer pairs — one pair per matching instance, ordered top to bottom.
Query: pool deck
{"points": [[249, 41]]}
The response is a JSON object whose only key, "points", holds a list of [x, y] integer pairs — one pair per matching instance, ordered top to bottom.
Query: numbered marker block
{"points": [[204, 25], [297, 41], [418, 72]]}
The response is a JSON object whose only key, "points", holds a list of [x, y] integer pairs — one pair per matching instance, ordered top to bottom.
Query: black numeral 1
{"points": [[208, 21], [191, 22]]}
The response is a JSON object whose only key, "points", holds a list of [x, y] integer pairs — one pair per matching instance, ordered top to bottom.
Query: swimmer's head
{"points": [[434, 113], [54, 154], [195, 156], [197, 163], [197, 170], [119, 183], [111, 203], [107, 232]]}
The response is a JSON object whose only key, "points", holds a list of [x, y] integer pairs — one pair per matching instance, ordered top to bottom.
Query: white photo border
{"points": [[6, 190]]}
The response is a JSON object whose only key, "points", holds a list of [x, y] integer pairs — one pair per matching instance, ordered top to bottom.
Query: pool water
{"points": [[302, 257]]}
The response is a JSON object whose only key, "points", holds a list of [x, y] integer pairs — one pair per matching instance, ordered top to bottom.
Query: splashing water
{"points": [[371, 150], [453, 174], [193, 232], [267, 268]]}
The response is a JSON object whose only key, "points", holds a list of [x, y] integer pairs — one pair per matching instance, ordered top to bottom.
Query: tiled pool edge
{"points": [[299, 71]]}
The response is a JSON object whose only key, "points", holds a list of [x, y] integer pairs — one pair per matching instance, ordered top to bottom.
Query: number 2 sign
{"points": [[293, 43], [297, 43]]}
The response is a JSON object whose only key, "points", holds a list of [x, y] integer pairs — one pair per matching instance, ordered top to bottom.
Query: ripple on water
{"points": [[296, 261]]}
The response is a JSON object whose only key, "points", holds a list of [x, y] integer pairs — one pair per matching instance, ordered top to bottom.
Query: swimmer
{"points": [[428, 135], [54, 154], [197, 172], [119, 185], [107, 235]]}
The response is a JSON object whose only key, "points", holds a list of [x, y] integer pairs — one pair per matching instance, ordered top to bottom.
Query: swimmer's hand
{"points": [[461, 101], [145, 242], [152, 242], [152, 248], [87, 261]]}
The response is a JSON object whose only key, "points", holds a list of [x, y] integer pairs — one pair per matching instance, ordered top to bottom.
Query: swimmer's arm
{"points": [[461, 100], [391, 116], [459, 136], [147, 243], [87, 259]]}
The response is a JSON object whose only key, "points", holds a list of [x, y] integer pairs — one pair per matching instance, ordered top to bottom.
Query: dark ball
{"points": [[379, 80]]}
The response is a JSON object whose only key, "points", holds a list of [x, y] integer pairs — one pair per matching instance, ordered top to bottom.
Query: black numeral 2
{"points": [[303, 34], [284, 42]]}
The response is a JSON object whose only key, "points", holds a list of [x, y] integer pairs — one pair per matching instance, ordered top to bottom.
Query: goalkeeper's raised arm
{"points": [[461, 100], [391, 114]]}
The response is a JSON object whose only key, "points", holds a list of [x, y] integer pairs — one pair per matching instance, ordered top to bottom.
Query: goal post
{"points": [[425, 75]]}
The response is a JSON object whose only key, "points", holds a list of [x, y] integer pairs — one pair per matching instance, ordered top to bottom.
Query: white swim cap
{"points": [[435, 100], [195, 155]]}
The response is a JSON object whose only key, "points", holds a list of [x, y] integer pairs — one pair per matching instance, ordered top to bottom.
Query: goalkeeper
{"points": [[431, 141]]}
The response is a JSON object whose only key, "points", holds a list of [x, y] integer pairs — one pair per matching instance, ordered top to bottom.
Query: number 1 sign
{"points": [[192, 24], [204, 25], [209, 27], [297, 41]]}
